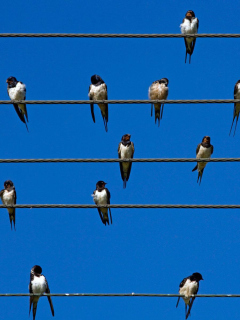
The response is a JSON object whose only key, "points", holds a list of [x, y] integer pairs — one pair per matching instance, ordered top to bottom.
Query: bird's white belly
{"points": [[188, 27], [17, 93], [125, 151], [100, 197], [8, 198], [39, 285], [188, 289]]}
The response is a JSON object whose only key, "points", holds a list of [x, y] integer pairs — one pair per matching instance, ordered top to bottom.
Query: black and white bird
{"points": [[189, 26], [17, 91], [98, 91], [158, 91], [236, 109], [204, 150], [125, 151], [101, 196], [9, 197], [38, 285], [188, 287]]}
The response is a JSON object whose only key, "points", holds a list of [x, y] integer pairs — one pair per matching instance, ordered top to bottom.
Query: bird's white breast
{"points": [[189, 26], [158, 91], [18, 92], [98, 92], [237, 94], [126, 151], [204, 152], [8, 197], [100, 197], [39, 284], [189, 288]]}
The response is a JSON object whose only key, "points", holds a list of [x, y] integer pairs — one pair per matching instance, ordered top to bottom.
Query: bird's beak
{"points": [[7, 81]]}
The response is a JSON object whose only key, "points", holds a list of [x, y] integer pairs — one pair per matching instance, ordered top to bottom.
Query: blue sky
{"points": [[147, 251]]}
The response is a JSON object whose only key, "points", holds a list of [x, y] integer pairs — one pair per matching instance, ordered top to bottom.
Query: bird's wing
{"points": [[49, 298]]}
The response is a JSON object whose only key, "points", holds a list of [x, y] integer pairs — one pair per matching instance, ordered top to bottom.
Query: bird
{"points": [[189, 25], [17, 91], [98, 91], [158, 91], [236, 109], [204, 150], [125, 151], [101, 196], [9, 197], [38, 285], [189, 286]]}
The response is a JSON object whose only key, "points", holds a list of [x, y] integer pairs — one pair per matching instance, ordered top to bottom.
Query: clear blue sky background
{"points": [[147, 251]]}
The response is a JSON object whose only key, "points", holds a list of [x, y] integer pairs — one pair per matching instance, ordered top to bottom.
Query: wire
{"points": [[117, 35], [120, 101], [78, 160], [125, 206], [151, 295]]}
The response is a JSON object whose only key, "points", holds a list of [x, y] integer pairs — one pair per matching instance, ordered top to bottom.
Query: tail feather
{"points": [[186, 56], [151, 109], [92, 111], [161, 111], [157, 114], [232, 125], [236, 125], [195, 168], [200, 174], [124, 183], [110, 215], [12, 219], [178, 302], [51, 305], [189, 308]]}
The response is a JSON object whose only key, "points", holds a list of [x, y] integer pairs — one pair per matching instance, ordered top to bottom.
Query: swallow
{"points": [[189, 25], [17, 91], [98, 91], [158, 91], [236, 106], [204, 150], [125, 151], [101, 196], [9, 197], [38, 285], [188, 287]]}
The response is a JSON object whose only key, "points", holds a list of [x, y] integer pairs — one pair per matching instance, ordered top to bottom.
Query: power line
{"points": [[117, 35], [182, 101], [141, 160], [124, 206], [133, 294]]}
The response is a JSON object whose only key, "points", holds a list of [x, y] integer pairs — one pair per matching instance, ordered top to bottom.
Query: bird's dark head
{"points": [[190, 14], [96, 79], [164, 80], [11, 81], [238, 82], [126, 137], [206, 139], [8, 184], [100, 185], [36, 269], [197, 276]]}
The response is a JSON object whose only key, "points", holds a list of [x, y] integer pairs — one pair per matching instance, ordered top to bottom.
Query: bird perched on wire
{"points": [[189, 26], [17, 91], [98, 91], [158, 91], [236, 109], [204, 150], [125, 151], [101, 196], [9, 197], [38, 285], [189, 286]]}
